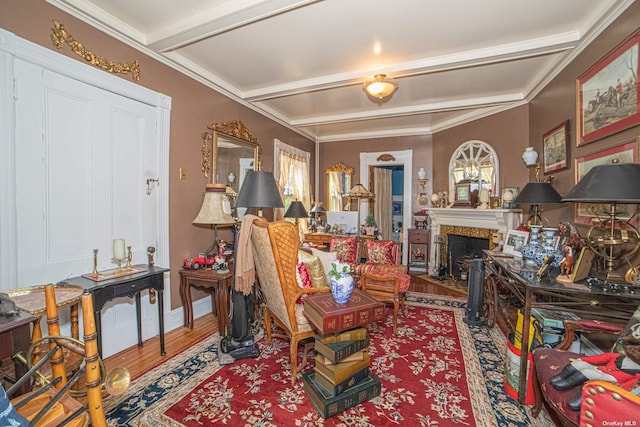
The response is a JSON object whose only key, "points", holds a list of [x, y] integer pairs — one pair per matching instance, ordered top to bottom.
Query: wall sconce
{"points": [[422, 178], [149, 181]]}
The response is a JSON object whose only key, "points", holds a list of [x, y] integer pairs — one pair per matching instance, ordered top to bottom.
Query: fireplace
{"points": [[469, 223], [462, 243]]}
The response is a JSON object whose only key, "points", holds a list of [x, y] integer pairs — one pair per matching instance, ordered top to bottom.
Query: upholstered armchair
{"points": [[275, 250], [383, 258], [602, 403]]}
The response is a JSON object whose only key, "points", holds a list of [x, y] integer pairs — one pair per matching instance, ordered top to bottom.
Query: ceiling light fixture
{"points": [[380, 88]]}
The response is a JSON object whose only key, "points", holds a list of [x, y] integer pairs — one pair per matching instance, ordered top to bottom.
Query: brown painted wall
{"points": [[557, 103], [194, 106], [506, 132], [330, 153]]}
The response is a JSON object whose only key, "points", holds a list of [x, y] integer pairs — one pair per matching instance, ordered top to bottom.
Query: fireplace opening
{"points": [[461, 249]]}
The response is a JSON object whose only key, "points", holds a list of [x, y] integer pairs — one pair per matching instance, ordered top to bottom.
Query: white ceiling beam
{"points": [[226, 17], [508, 52], [436, 107]]}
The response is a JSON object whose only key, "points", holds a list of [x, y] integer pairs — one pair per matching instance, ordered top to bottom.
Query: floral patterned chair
{"points": [[383, 258]]}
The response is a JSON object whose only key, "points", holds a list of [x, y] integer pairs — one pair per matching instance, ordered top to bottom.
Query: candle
{"points": [[118, 249]]}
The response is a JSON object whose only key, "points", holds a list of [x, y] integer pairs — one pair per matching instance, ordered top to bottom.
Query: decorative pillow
{"points": [[345, 249], [380, 252], [326, 258], [314, 270], [302, 274], [8, 414]]}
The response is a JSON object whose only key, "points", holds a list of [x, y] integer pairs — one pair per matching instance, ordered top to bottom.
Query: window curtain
{"points": [[293, 178], [383, 179]]}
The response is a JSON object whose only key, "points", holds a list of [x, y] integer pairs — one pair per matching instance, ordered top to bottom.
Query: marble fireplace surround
{"points": [[466, 222]]}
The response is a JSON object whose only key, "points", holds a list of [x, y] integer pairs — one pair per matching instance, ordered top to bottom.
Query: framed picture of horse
{"points": [[607, 94]]}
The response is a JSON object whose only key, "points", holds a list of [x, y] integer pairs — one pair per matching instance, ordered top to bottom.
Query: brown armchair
{"points": [[275, 250], [385, 289], [601, 402]]}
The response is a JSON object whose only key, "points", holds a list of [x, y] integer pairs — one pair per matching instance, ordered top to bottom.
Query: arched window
{"points": [[475, 162]]}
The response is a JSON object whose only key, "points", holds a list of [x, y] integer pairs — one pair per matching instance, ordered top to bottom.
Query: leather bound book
{"points": [[329, 317], [357, 334], [338, 351], [355, 357], [341, 371], [336, 389], [329, 405]]}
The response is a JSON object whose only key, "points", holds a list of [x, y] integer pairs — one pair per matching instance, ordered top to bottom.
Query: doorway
{"points": [[397, 159]]}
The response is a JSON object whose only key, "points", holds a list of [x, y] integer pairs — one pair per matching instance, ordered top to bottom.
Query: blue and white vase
{"points": [[548, 249], [530, 250], [342, 287]]}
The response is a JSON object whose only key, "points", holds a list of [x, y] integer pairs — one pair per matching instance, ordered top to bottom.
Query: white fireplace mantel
{"points": [[501, 220]]}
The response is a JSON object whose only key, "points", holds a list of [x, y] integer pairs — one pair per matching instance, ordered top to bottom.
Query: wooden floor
{"points": [[139, 360]]}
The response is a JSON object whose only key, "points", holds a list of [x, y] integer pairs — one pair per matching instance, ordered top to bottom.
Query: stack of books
{"points": [[552, 322], [341, 378]]}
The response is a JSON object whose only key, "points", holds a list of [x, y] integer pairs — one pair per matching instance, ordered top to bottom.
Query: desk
{"points": [[211, 281], [125, 286], [589, 302], [15, 334]]}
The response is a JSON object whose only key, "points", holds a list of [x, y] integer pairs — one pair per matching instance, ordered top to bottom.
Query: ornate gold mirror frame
{"points": [[228, 152], [338, 184]]}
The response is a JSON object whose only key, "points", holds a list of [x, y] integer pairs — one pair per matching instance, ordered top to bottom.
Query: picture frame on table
{"points": [[605, 101], [556, 149], [625, 153], [515, 241]]}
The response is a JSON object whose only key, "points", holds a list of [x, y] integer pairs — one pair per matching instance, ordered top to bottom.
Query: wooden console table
{"points": [[211, 281], [126, 286], [612, 303]]}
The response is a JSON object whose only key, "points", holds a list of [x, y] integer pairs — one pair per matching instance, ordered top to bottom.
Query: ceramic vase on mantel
{"points": [[530, 156], [531, 249], [342, 287]]}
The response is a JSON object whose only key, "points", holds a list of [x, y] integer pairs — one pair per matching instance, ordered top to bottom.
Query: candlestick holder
{"points": [[129, 257], [95, 263]]}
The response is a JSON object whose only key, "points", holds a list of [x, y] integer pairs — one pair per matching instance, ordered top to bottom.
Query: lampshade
{"points": [[380, 87], [613, 182], [259, 190], [359, 192], [538, 193], [216, 208], [318, 209], [296, 210]]}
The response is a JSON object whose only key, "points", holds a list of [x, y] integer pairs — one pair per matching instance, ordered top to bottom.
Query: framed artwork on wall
{"points": [[607, 94], [555, 148], [587, 213]]}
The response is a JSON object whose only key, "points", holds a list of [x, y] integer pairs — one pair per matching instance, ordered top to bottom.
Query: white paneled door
{"points": [[78, 146], [84, 155]]}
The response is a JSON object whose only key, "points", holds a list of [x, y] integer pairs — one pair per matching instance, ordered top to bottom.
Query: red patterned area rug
{"points": [[437, 371]]}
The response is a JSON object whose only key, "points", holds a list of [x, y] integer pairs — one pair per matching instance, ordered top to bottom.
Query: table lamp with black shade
{"points": [[259, 190], [536, 194], [296, 210], [316, 213], [613, 239]]}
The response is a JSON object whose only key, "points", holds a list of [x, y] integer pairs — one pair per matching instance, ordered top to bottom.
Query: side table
{"points": [[211, 281], [15, 337]]}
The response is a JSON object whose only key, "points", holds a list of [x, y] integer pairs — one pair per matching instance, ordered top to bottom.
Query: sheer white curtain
{"points": [[292, 174], [383, 179]]}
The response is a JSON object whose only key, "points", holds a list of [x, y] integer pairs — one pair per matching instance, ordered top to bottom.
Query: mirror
{"points": [[229, 151], [473, 166], [338, 184]]}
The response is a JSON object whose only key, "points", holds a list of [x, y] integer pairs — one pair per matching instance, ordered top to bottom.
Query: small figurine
{"points": [[566, 265]]}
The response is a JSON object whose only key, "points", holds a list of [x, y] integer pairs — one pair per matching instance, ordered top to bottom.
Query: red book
{"points": [[329, 317]]}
